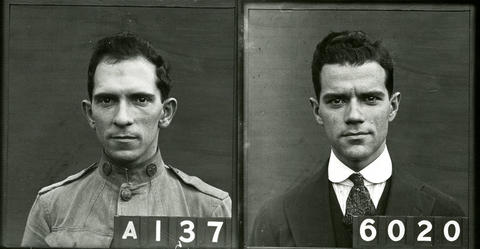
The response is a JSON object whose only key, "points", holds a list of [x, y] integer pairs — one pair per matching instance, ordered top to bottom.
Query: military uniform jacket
{"points": [[79, 211]]}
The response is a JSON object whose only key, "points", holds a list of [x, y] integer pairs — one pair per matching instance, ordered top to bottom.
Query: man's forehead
{"points": [[123, 66], [349, 72], [134, 74], [342, 77]]}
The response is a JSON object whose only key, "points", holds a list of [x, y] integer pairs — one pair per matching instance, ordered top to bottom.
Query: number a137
{"points": [[171, 232]]}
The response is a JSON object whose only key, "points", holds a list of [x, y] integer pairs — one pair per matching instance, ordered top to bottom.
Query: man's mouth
{"points": [[355, 134], [123, 137]]}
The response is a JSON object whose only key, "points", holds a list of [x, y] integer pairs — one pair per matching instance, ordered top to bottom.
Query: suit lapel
{"points": [[406, 198], [308, 209], [308, 213]]}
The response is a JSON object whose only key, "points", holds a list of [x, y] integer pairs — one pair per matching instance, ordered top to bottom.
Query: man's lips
{"points": [[355, 133], [123, 137]]}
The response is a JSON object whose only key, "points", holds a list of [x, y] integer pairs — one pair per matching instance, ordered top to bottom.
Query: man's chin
{"points": [[356, 153], [123, 157]]}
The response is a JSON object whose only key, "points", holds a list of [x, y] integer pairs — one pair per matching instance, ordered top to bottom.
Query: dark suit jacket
{"points": [[302, 216]]}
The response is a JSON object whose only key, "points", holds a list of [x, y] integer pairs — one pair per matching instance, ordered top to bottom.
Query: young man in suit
{"points": [[355, 101]]}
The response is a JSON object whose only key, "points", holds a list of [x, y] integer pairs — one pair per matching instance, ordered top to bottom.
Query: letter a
{"points": [[130, 231]]}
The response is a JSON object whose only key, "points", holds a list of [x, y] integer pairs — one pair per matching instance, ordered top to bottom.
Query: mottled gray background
{"points": [[49, 46], [431, 135]]}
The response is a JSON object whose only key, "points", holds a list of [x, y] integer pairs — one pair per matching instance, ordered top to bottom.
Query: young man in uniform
{"points": [[128, 89]]}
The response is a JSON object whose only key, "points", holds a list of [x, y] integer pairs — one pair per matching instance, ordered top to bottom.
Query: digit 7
{"points": [[218, 225], [213, 233]]}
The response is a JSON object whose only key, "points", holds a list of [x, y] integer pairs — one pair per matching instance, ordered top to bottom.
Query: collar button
{"points": [[107, 169], [151, 169], [126, 194]]}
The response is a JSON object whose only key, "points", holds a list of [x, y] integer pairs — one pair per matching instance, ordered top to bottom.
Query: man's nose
{"points": [[354, 113], [123, 116]]}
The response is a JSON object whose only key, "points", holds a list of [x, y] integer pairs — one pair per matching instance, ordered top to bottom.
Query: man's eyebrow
{"points": [[372, 93], [377, 93], [135, 94], [145, 94], [103, 95], [328, 96]]}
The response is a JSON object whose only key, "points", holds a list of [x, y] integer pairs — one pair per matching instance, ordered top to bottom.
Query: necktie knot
{"points": [[357, 179]]}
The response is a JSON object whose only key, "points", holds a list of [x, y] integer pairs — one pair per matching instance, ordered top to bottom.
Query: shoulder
{"points": [[67, 181], [198, 184], [420, 185], [303, 192], [202, 198], [294, 199], [443, 204], [276, 220]]}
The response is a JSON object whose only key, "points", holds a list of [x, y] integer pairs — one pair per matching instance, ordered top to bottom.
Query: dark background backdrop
{"points": [[48, 46], [431, 135]]}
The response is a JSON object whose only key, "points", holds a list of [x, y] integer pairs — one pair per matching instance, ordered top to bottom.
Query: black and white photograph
{"points": [[116, 109], [355, 110], [249, 124]]}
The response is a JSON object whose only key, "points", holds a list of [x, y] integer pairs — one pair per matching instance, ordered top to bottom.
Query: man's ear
{"points": [[394, 106], [315, 107], [169, 109], [87, 112]]}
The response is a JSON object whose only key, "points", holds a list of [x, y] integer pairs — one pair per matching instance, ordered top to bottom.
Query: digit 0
{"points": [[367, 224], [401, 230], [446, 233]]}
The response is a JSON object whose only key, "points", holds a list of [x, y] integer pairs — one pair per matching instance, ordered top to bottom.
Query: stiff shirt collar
{"points": [[377, 171], [137, 174]]}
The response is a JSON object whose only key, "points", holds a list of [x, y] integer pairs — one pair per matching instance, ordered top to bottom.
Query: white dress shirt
{"points": [[375, 176]]}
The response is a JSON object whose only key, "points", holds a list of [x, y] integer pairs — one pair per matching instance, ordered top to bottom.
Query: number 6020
{"points": [[431, 231]]}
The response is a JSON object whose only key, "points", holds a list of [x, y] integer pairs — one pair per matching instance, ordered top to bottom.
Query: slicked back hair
{"points": [[124, 46], [350, 48]]}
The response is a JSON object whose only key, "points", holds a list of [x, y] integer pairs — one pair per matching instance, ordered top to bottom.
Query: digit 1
{"points": [[158, 230]]}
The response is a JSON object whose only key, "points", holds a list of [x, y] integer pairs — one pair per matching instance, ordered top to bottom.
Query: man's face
{"points": [[126, 109], [354, 109]]}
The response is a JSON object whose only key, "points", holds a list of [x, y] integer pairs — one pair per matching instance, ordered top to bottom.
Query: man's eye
{"points": [[371, 99], [105, 100], [142, 100], [337, 102]]}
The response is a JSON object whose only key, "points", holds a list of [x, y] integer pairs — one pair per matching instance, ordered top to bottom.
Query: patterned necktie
{"points": [[358, 201]]}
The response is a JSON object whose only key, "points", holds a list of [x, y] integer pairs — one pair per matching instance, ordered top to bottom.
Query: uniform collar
{"points": [[376, 172], [137, 174]]}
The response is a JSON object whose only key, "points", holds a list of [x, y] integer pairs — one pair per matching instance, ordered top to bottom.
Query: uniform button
{"points": [[107, 169], [151, 169], [126, 194]]}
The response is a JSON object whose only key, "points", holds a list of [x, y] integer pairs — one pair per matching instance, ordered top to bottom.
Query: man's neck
{"points": [[133, 164], [359, 164], [377, 171]]}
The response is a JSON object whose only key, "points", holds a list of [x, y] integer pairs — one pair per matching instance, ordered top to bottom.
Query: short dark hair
{"points": [[124, 46], [350, 47]]}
